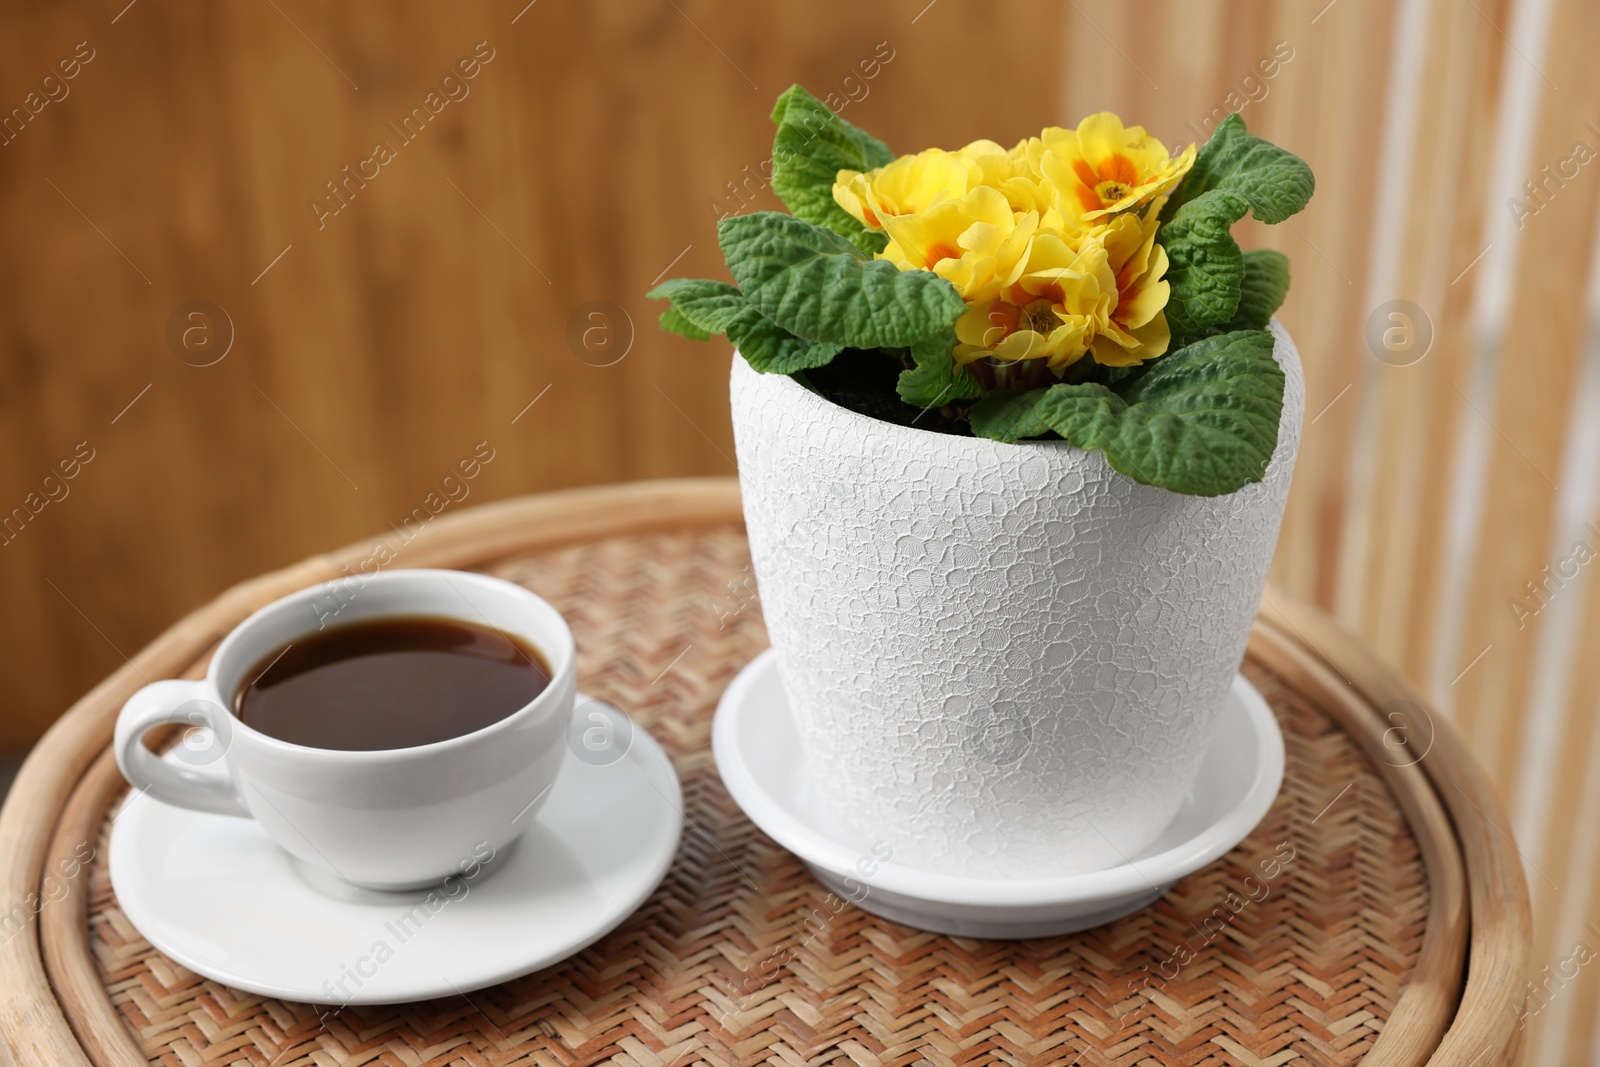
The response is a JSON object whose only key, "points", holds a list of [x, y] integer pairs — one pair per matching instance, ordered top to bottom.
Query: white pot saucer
{"points": [[757, 753], [215, 894]]}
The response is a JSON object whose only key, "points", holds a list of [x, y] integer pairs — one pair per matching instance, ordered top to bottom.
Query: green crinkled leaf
{"points": [[812, 145], [1234, 173], [1273, 181], [1204, 265], [817, 285], [1261, 294], [707, 305], [673, 321], [771, 349], [937, 378], [1118, 378], [1085, 413], [1008, 416], [1202, 420]]}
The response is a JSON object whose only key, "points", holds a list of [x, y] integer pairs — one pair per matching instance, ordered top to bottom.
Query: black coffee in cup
{"points": [[391, 682]]}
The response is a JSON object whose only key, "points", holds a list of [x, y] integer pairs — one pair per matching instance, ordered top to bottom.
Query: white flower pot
{"points": [[1002, 658]]}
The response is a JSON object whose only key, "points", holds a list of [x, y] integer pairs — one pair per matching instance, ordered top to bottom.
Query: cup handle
{"points": [[186, 783]]}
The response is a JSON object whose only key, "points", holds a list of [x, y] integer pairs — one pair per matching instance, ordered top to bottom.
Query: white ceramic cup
{"points": [[392, 819]]}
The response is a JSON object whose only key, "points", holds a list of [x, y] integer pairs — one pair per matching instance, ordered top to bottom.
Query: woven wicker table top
{"points": [[1303, 945]]}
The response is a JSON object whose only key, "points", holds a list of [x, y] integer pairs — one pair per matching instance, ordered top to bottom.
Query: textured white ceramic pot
{"points": [[1003, 659]]}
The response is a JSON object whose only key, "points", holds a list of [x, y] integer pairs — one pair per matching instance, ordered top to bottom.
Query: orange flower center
{"points": [[1120, 169], [1114, 179], [1110, 192], [1040, 317], [1004, 319]]}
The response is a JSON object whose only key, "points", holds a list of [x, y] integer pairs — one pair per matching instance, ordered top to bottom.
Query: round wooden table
{"points": [[1397, 934]]}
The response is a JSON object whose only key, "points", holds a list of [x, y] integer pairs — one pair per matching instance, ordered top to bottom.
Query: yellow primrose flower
{"points": [[1102, 168], [1010, 173], [915, 183], [976, 243], [1050, 244], [1101, 293], [1050, 310], [1136, 329], [1010, 333]]}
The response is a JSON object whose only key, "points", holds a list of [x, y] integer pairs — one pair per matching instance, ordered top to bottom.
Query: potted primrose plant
{"points": [[1015, 431]]}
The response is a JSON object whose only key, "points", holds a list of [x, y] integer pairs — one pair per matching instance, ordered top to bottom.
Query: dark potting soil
{"points": [[864, 382]]}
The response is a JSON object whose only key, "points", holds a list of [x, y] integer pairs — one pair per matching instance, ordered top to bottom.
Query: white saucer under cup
{"points": [[758, 755], [215, 894]]}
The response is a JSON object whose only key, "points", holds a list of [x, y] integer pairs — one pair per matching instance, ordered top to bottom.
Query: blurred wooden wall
{"points": [[422, 318]]}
